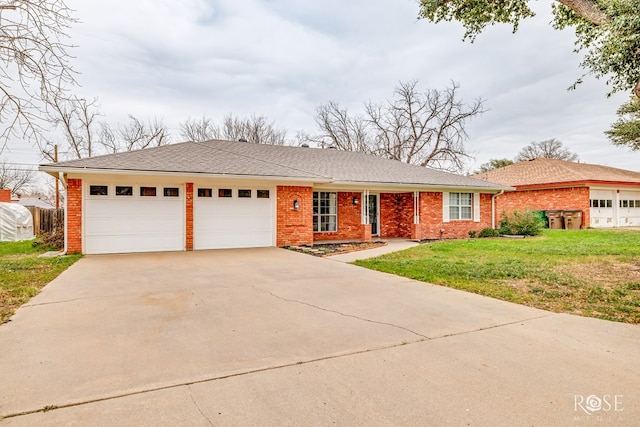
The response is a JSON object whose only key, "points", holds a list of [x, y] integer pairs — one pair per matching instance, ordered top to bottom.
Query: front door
{"points": [[373, 214]]}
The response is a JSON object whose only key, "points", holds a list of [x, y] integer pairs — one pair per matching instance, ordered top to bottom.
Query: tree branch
{"points": [[587, 9]]}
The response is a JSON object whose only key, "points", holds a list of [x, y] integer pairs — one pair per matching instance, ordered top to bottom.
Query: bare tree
{"points": [[36, 63], [76, 118], [421, 128], [255, 129], [200, 130], [341, 130], [137, 135], [84, 136], [549, 148], [15, 178]]}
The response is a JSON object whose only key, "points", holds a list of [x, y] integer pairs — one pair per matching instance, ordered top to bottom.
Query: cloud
{"points": [[283, 58]]}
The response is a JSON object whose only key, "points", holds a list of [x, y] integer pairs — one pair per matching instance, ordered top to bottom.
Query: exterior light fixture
{"points": [[355, 201], [296, 205]]}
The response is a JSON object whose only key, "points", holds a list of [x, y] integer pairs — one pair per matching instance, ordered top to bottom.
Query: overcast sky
{"points": [[282, 58]]}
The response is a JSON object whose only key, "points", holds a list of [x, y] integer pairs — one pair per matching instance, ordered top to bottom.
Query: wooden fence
{"points": [[44, 220]]}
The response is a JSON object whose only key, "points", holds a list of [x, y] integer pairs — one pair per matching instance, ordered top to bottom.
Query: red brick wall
{"points": [[5, 196], [574, 198], [396, 214], [74, 215], [189, 217], [349, 219], [431, 219], [294, 227]]}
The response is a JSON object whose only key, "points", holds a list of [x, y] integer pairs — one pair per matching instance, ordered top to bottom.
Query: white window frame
{"points": [[447, 207], [456, 207], [317, 215]]}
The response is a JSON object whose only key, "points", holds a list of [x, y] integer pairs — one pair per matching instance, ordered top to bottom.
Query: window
{"points": [[98, 190], [124, 190], [148, 191], [171, 192], [205, 192], [224, 192], [244, 194], [264, 194], [598, 203], [637, 203], [460, 205], [325, 211]]}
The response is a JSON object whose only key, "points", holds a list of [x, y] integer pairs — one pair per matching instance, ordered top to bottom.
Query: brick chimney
{"points": [[5, 196]]}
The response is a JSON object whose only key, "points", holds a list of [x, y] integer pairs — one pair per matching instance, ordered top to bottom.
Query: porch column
{"points": [[365, 207], [365, 227], [416, 230]]}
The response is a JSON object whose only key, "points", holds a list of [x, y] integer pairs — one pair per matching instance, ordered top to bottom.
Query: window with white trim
{"points": [[460, 206], [325, 211]]}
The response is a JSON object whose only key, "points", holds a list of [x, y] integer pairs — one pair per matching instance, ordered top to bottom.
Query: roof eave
{"points": [[54, 170], [396, 186]]}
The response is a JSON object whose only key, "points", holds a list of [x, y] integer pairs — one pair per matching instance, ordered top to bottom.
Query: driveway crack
{"points": [[353, 316], [198, 407]]}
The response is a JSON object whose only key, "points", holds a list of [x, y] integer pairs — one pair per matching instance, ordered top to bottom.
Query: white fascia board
{"points": [[53, 170], [403, 188]]}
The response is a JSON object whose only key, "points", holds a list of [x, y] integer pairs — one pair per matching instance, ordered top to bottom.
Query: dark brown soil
{"points": [[323, 249]]}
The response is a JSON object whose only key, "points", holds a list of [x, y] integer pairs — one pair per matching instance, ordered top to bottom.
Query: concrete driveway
{"points": [[272, 337]]}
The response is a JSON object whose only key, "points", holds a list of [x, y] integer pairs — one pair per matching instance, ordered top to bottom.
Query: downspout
{"points": [[63, 180], [493, 209]]}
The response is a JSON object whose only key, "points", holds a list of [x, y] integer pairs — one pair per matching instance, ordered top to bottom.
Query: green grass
{"points": [[587, 272], [23, 274]]}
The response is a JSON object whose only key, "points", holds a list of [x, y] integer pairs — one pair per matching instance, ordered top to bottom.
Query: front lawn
{"points": [[592, 273], [23, 274]]}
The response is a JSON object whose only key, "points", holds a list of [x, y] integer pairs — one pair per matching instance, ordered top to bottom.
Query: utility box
{"points": [[555, 220], [572, 220]]}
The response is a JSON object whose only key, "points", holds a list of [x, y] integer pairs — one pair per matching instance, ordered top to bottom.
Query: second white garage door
{"points": [[233, 217]]}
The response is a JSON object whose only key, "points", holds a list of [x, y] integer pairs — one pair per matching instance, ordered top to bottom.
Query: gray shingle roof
{"points": [[242, 158]]}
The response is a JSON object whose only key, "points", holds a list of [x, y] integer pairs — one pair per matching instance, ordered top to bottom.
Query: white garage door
{"points": [[602, 208], [629, 208], [233, 217], [121, 219]]}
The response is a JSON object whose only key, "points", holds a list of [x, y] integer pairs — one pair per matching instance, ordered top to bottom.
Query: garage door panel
{"points": [[221, 223], [133, 224]]}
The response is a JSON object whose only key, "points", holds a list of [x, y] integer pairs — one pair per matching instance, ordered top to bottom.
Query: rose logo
{"points": [[593, 403]]}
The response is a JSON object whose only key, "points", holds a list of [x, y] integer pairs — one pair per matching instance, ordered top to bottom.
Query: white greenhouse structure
{"points": [[16, 223]]}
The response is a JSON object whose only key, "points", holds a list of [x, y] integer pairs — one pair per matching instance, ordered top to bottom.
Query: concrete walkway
{"points": [[392, 245], [278, 338]]}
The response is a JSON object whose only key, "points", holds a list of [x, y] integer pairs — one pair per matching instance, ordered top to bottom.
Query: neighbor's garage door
{"points": [[602, 208], [629, 208], [233, 217], [123, 218]]}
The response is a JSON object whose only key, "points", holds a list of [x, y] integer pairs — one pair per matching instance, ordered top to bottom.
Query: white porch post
{"points": [[365, 207], [416, 207]]}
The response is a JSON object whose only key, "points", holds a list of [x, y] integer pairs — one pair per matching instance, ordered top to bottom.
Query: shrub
{"points": [[527, 223], [488, 232], [472, 233]]}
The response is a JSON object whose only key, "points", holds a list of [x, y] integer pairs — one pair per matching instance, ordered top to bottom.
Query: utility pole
{"points": [[55, 158]]}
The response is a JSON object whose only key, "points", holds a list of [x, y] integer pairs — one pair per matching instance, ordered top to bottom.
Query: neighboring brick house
{"points": [[223, 194], [607, 197]]}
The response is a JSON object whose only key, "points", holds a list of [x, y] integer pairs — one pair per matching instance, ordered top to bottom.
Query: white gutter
{"points": [[54, 170], [62, 179], [493, 209]]}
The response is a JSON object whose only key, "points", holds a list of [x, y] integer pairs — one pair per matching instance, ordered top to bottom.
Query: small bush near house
{"points": [[527, 223], [488, 232], [473, 233]]}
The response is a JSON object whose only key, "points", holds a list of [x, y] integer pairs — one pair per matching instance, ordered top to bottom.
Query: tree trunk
{"points": [[587, 9]]}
